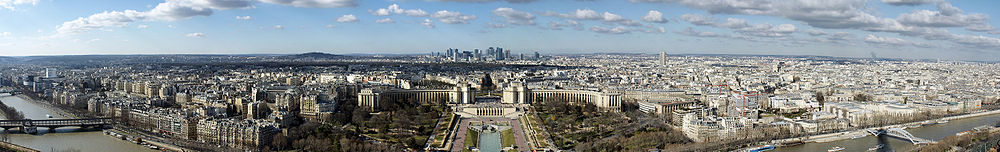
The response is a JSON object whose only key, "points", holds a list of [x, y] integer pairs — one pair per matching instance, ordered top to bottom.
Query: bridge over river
{"points": [[30, 126], [901, 134]]}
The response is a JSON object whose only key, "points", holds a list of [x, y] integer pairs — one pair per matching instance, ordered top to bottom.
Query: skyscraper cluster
{"points": [[490, 54]]}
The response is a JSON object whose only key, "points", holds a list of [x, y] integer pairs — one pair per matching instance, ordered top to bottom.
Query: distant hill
{"points": [[316, 55], [6, 59]]}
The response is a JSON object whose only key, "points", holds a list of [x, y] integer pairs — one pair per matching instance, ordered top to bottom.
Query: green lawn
{"points": [[507, 138], [472, 139]]}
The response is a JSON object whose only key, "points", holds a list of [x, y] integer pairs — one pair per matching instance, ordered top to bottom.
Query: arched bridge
{"points": [[26, 125], [901, 134]]}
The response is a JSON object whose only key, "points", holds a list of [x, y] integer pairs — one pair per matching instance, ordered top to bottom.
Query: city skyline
{"points": [[929, 29]]}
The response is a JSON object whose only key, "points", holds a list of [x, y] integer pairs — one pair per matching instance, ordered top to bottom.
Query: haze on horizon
{"points": [[915, 29]]}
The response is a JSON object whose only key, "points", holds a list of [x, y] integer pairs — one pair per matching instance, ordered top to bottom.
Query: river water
{"points": [[935, 132], [65, 138]]}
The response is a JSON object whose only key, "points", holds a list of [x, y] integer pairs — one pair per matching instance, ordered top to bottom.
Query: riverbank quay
{"points": [[118, 128], [829, 137], [145, 140], [186, 144], [6, 146]]}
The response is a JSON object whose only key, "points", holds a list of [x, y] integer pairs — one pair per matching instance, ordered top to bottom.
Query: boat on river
{"points": [[877, 147], [761, 148], [835, 148]]}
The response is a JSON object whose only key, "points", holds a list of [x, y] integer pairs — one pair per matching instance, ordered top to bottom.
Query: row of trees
{"points": [[821, 97], [10, 113], [890, 118], [401, 125], [585, 127], [973, 141]]}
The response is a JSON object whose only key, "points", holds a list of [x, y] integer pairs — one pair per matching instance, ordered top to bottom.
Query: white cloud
{"points": [[484, 1], [906, 2], [314, 3], [9, 4], [181, 9], [394, 9], [171, 10], [166, 11], [584, 14], [588, 14], [822, 14], [855, 14], [445, 16], [514, 16], [654, 16], [946, 16], [244, 17], [611, 17], [347, 18], [698, 19], [385, 20], [98, 22], [427, 23], [734, 23], [495, 25], [553, 25], [142, 26], [329, 26], [742, 26], [278, 27], [980, 27], [651, 29], [615, 30], [768, 30], [691, 32], [815, 32], [4, 34], [195, 35], [840, 36], [93, 40], [885, 40], [977, 41]]}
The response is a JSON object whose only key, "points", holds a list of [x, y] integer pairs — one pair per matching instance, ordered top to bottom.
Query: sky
{"points": [[911, 29]]}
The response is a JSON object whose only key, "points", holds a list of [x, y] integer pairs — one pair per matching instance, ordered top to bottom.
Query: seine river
{"points": [[932, 132], [65, 139]]}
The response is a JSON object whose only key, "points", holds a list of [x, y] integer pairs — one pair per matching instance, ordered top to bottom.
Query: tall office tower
{"points": [[489, 52], [450, 53], [500, 54], [506, 54], [478, 55], [538, 56], [663, 58], [50, 73]]}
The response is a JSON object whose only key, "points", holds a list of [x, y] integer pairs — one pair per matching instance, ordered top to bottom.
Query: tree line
{"points": [[10, 113], [400, 125], [582, 126]]}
